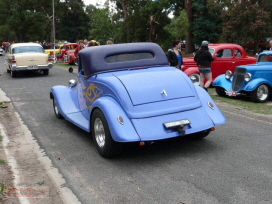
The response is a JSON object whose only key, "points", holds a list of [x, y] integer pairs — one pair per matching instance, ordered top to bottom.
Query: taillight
{"points": [[50, 59], [13, 61]]}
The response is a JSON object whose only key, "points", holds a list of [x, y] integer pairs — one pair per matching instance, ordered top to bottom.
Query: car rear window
{"points": [[24, 49], [128, 57]]}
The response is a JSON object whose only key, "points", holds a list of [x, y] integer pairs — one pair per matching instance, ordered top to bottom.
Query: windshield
{"points": [[24, 49], [211, 50], [265, 58]]}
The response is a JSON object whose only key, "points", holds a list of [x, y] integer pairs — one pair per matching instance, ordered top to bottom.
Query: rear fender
{"points": [[191, 70], [112, 110], [214, 113]]}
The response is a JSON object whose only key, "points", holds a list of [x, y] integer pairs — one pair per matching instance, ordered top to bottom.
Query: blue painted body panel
{"points": [[261, 73], [145, 98]]}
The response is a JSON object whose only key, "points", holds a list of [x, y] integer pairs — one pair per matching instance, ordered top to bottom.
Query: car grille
{"points": [[238, 78]]}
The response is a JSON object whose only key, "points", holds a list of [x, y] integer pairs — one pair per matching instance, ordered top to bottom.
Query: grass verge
{"points": [[243, 102]]}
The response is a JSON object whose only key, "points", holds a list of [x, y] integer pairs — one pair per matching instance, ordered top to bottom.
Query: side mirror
{"points": [[71, 70]]}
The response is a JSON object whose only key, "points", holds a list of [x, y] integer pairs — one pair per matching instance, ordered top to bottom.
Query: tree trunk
{"points": [[124, 4], [153, 24], [189, 48]]}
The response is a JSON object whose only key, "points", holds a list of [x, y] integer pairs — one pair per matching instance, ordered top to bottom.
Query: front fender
{"points": [[223, 82], [251, 85], [66, 99], [112, 110], [214, 113]]}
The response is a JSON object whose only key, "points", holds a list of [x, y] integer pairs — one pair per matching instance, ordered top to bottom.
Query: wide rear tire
{"points": [[45, 71], [200, 135], [104, 143]]}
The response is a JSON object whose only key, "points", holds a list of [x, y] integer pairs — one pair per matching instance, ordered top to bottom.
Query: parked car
{"points": [[263, 44], [61, 49], [1, 51], [27, 57], [69, 57], [226, 57], [254, 80], [129, 93]]}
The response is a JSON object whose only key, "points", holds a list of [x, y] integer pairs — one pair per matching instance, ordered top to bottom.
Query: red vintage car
{"points": [[226, 57], [70, 58]]}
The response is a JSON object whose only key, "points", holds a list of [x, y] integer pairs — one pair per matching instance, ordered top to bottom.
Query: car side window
{"points": [[224, 53], [238, 53]]}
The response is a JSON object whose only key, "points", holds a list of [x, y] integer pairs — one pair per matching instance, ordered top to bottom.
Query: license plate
{"points": [[33, 67], [231, 93], [177, 123]]}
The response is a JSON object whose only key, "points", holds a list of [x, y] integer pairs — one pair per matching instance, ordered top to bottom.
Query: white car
{"points": [[27, 57]]}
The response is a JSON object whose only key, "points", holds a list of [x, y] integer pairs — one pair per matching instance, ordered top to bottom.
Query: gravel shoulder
{"points": [[27, 175]]}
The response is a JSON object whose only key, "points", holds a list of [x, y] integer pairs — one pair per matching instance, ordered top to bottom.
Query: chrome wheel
{"points": [[195, 78], [260, 94], [99, 132]]}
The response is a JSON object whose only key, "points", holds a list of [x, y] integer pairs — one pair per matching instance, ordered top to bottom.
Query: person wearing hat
{"points": [[204, 59]]}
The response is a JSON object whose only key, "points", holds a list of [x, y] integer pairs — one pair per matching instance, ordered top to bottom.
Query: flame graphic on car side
{"points": [[92, 93]]}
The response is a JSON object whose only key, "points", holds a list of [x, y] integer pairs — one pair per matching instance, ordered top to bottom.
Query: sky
{"points": [[93, 2]]}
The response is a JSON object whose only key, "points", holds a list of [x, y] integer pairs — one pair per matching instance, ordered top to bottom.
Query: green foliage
{"points": [[207, 21], [246, 21], [73, 24], [2, 161]]}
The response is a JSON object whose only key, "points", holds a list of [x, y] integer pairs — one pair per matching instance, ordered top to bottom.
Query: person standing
{"points": [[270, 43], [80, 47], [174, 55], [204, 59]]}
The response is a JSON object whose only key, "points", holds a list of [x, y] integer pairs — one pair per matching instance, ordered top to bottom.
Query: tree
{"points": [[22, 18], [246, 21], [72, 23], [101, 24]]}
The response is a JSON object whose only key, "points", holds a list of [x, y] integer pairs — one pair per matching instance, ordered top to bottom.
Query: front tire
{"points": [[195, 78], [220, 91], [260, 94], [56, 110], [104, 143]]}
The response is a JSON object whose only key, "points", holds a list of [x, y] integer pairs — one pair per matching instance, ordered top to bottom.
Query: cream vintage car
{"points": [[27, 57]]}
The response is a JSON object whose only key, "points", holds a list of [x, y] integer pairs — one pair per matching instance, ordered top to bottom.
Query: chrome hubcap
{"points": [[262, 92], [99, 132]]}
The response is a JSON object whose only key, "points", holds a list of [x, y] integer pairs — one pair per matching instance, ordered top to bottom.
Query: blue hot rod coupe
{"points": [[254, 80], [129, 93]]}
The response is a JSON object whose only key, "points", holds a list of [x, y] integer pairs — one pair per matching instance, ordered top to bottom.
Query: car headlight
{"points": [[228, 74], [248, 76]]}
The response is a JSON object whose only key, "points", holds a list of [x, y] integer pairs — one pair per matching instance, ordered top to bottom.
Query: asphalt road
{"points": [[232, 165]]}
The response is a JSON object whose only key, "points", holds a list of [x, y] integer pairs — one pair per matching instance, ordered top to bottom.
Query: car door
{"points": [[239, 58], [223, 61]]}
